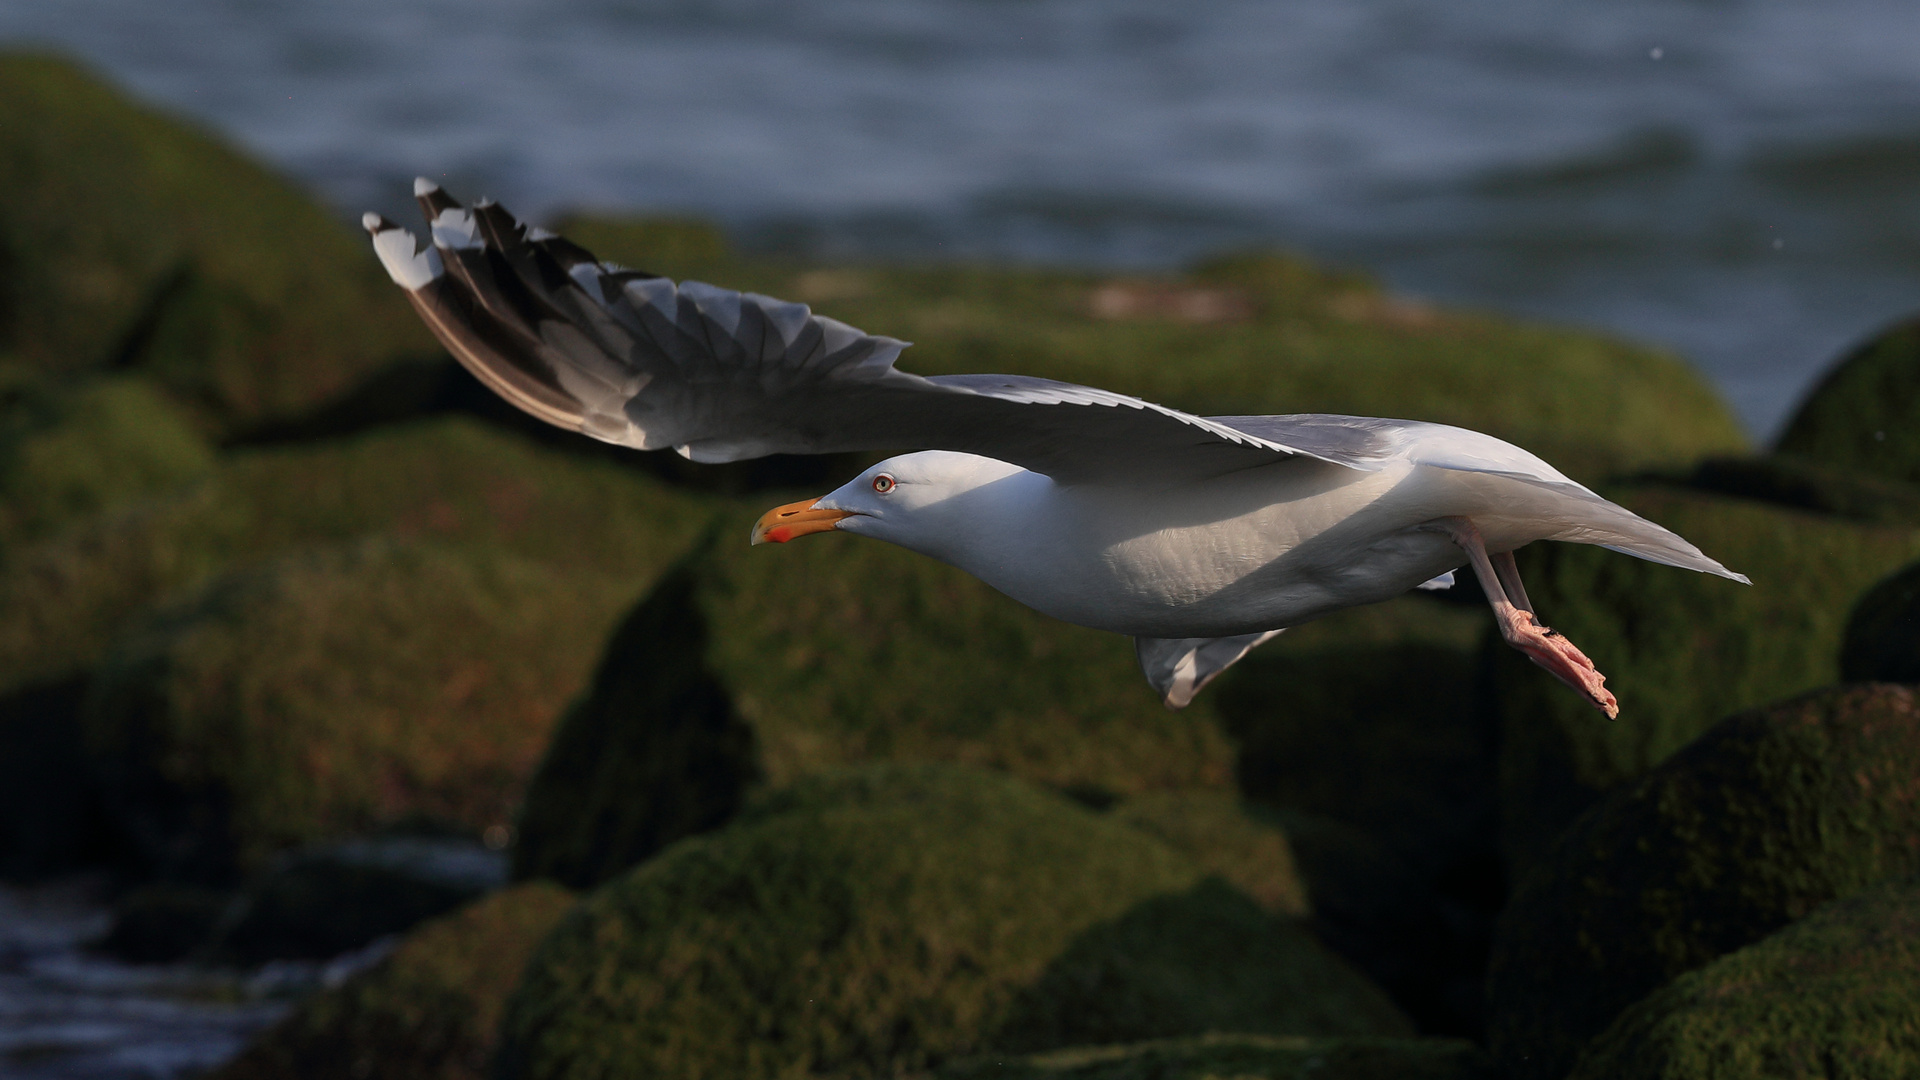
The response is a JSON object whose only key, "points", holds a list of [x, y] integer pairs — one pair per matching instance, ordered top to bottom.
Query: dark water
{"points": [[1739, 179]]}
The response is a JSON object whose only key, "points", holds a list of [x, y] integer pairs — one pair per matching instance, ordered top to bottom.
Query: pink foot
{"points": [[1545, 646]]}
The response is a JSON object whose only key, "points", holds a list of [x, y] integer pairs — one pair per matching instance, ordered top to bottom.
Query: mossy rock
{"points": [[135, 240], [1292, 338], [1864, 415], [70, 449], [447, 480], [1786, 480], [1882, 641], [1680, 649], [765, 665], [336, 691], [1376, 717], [1769, 815], [1361, 900], [324, 901], [880, 920], [164, 921], [1832, 995], [429, 1011], [1243, 1057]]}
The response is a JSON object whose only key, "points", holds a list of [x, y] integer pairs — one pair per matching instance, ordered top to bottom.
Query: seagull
{"points": [[1199, 536]]}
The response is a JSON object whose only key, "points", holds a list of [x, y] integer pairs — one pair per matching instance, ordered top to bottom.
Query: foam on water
{"points": [[1737, 179]]}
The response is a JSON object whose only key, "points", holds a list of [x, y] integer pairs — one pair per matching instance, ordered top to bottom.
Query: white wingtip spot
{"points": [[422, 187], [370, 221], [454, 228], [409, 268]]}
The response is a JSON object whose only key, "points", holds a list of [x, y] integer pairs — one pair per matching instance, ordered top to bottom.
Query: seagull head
{"points": [[929, 502]]}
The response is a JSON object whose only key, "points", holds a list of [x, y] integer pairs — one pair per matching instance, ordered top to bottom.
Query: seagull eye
{"points": [[883, 483]]}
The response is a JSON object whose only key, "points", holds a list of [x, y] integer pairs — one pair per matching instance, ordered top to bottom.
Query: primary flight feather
{"points": [[1199, 536]]}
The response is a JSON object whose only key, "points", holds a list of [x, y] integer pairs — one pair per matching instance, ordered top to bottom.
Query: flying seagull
{"points": [[1201, 537]]}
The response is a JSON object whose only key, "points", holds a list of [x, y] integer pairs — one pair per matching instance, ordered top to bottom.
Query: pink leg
{"points": [[1500, 579]]}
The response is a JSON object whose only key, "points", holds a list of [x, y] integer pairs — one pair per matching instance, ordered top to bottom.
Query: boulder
{"points": [[137, 241], [1863, 416], [69, 450], [449, 480], [1786, 480], [1882, 642], [1680, 649], [762, 666], [336, 691], [1772, 813], [1361, 900], [324, 901], [878, 921], [162, 922], [1830, 995], [428, 1011], [1242, 1057]]}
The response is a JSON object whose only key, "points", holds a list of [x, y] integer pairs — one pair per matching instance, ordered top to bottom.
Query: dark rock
{"points": [[1863, 416], [1882, 642], [1680, 649], [770, 664], [52, 817], [1766, 817], [321, 902], [881, 920], [164, 922], [1831, 995], [428, 1011], [1243, 1057]]}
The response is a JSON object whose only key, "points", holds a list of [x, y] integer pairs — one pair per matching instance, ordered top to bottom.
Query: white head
{"points": [[933, 502]]}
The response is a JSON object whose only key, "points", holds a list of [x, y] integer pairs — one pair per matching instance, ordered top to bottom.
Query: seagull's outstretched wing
{"points": [[636, 359]]}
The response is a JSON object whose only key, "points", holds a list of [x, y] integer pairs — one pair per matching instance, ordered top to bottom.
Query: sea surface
{"points": [[1736, 179]]}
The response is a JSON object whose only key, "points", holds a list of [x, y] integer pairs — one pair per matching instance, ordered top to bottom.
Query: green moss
{"points": [[132, 238], [1286, 337], [1864, 415], [70, 451], [450, 481], [1790, 481], [1883, 633], [1679, 649], [774, 663], [335, 691], [1769, 815], [1221, 836], [877, 921], [1831, 995], [430, 1011], [1243, 1057]]}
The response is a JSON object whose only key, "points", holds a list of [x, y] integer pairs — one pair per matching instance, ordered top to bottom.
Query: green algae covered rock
{"points": [[135, 240], [1250, 334], [1864, 414], [70, 451], [1786, 480], [454, 481], [1883, 634], [1681, 650], [765, 665], [336, 691], [1772, 813], [1360, 899], [880, 920], [1832, 995], [429, 1011], [1242, 1057]]}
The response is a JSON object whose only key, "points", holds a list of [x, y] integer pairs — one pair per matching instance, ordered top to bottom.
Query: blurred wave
{"points": [[1735, 178]]}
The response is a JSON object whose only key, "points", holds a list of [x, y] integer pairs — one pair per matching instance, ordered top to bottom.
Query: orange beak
{"points": [[784, 523]]}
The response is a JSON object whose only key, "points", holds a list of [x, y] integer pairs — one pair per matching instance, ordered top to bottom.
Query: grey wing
{"points": [[636, 359]]}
